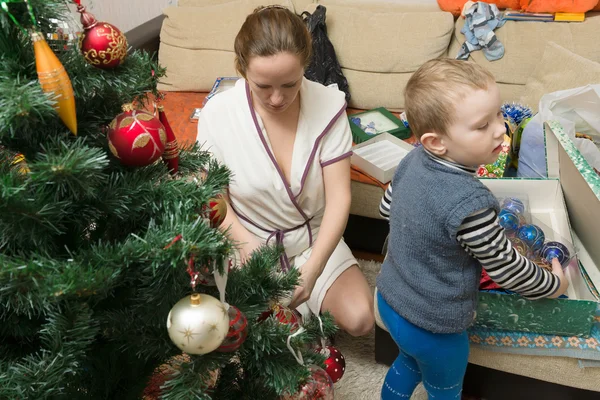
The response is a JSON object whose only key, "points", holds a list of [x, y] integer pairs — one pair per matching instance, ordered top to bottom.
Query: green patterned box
{"points": [[570, 196]]}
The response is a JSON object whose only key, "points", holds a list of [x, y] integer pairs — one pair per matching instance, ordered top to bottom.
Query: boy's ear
{"points": [[434, 143]]}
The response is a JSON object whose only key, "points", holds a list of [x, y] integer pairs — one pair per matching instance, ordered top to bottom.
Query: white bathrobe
{"points": [[270, 209]]}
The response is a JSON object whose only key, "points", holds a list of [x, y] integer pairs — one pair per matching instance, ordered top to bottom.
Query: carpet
{"points": [[364, 377]]}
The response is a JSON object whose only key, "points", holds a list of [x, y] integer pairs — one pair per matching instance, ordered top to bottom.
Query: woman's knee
{"points": [[359, 321]]}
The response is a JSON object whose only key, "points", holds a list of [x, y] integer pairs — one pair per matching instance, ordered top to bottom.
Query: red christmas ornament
{"points": [[102, 44], [136, 137], [171, 154], [215, 211], [205, 275], [284, 315], [238, 330], [335, 365], [318, 386]]}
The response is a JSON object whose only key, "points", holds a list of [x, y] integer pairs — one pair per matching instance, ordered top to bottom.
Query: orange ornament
{"points": [[54, 79]]}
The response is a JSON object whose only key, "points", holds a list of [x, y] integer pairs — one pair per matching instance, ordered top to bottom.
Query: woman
{"points": [[287, 142]]}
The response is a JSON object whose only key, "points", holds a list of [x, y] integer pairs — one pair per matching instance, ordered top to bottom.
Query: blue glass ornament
{"points": [[515, 111], [513, 204], [509, 221], [533, 236], [557, 250]]}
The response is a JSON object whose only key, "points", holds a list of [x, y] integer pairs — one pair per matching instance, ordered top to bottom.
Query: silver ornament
{"points": [[197, 324]]}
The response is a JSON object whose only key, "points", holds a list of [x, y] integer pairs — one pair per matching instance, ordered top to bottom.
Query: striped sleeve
{"points": [[386, 202], [482, 237]]}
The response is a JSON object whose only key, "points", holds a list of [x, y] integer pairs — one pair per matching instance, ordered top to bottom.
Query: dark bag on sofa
{"points": [[324, 66]]}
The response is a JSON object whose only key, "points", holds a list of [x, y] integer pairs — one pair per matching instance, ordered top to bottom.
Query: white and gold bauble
{"points": [[197, 324]]}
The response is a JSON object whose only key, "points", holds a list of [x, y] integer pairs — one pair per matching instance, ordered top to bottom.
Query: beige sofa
{"points": [[380, 43]]}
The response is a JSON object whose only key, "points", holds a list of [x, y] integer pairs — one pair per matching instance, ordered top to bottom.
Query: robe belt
{"points": [[279, 235]]}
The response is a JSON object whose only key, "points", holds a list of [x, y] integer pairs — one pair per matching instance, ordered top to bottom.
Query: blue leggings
{"points": [[439, 360]]}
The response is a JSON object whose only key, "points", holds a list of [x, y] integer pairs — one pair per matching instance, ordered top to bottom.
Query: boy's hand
{"points": [[564, 283]]}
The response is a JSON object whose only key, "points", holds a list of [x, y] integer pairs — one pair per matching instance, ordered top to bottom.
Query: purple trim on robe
{"points": [[314, 149], [334, 160], [278, 234]]}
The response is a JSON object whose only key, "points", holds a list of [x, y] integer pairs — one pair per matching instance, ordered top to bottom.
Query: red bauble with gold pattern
{"points": [[102, 44], [136, 137], [215, 210], [284, 315], [238, 330], [335, 364]]}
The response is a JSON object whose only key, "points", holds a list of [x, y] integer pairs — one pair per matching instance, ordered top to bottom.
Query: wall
{"points": [[126, 14]]}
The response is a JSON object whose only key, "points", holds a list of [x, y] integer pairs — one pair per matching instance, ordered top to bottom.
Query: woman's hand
{"points": [[247, 248], [308, 277]]}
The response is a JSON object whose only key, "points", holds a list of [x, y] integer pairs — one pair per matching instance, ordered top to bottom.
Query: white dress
{"points": [[270, 209]]}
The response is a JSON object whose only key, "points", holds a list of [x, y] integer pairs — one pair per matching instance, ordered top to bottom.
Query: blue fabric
{"points": [[481, 19], [532, 151], [427, 277], [439, 360]]}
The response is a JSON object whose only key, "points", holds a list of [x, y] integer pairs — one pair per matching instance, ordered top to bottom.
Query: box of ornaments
{"points": [[558, 217]]}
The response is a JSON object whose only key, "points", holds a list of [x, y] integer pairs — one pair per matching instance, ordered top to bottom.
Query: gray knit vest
{"points": [[427, 277]]}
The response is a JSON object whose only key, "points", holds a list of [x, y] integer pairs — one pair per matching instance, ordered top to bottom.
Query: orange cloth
{"points": [[455, 6], [548, 6], [552, 6], [180, 105], [178, 108], [357, 174]]}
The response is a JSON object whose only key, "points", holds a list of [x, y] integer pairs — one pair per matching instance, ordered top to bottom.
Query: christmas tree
{"points": [[100, 239]]}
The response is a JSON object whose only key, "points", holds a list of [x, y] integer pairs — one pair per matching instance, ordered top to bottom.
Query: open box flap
{"points": [[581, 188]]}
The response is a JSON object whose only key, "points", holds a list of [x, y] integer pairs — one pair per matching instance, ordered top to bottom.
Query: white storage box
{"points": [[380, 156], [570, 196]]}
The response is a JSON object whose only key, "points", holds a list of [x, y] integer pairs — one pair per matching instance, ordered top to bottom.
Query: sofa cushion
{"points": [[385, 5], [374, 41], [197, 42], [524, 44], [379, 51], [550, 76]]}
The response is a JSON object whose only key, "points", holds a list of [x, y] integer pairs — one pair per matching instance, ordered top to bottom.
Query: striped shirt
{"points": [[482, 236]]}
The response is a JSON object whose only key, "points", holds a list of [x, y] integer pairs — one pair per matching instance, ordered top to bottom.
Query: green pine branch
{"points": [[93, 254], [64, 340]]}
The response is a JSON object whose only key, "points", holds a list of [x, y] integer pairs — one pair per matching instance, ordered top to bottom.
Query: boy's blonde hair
{"points": [[434, 89]]}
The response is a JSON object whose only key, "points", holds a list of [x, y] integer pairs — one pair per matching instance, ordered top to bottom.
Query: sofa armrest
{"points": [[146, 36]]}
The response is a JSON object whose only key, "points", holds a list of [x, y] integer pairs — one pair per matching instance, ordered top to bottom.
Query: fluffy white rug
{"points": [[363, 377]]}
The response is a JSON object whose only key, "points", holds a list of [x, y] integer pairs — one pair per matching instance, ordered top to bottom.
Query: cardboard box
{"points": [[380, 156], [570, 196]]}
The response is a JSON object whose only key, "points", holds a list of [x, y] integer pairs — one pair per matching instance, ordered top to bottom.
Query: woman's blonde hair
{"points": [[269, 31], [434, 89]]}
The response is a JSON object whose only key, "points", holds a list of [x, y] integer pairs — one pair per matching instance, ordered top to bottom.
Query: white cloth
{"points": [[231, 129]]}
